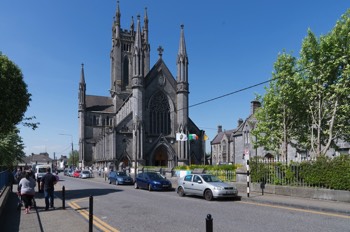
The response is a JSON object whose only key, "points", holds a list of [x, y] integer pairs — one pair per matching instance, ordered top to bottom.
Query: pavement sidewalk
{"points": [[38, 219]]}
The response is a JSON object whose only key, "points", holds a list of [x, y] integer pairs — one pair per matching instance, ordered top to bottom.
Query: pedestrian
{"points": [[18, 175], [48, 182], [27, 190]]}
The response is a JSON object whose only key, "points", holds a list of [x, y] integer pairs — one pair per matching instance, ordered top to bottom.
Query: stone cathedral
{"points": [[136, 125]]}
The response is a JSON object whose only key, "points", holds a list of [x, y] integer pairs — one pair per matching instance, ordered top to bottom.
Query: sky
{"points": [[231, 45]]}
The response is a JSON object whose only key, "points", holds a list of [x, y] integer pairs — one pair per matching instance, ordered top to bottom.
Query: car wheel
{"points": [[136, 186], [149, 187], [181, 192], [208, 195]]}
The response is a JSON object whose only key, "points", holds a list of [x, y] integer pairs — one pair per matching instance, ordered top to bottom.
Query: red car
{"points": [[76, 174]]}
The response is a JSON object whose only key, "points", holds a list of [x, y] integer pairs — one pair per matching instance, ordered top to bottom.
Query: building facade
{"points": [[137, 123], [231, 146]]}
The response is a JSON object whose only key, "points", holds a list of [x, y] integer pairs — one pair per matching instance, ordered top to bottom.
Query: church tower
{"points": [[122, 56], [137, 94], [182, 96], [81, 113]]}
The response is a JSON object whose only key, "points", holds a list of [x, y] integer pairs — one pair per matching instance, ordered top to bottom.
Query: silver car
{"points": [[206, 185]]}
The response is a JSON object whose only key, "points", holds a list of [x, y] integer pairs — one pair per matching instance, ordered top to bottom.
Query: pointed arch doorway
{"points": [[161, 156]]}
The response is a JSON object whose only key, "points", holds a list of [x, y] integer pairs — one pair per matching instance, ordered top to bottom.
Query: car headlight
{"points": [[119, 179], [156, 182], [218, 188]]}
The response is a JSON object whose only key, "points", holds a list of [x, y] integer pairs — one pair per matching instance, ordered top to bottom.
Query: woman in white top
{"points": [[27, 186]]}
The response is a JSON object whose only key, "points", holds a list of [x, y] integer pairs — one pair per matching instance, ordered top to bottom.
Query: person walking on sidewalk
{"points": [[48, 182], [27, 190]]}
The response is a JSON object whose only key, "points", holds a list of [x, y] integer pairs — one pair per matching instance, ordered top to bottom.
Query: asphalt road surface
{"points": [[123, 208]]}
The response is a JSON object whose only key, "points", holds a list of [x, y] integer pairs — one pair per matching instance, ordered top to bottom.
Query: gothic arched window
{"points": [[160, 114]]}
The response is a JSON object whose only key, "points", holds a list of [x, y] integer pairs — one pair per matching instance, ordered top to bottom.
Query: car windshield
{"points": [[121, 174], [155, 176], [210, 178]]}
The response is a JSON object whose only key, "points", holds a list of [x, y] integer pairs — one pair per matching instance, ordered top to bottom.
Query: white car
{"points": [[85, 174], [205, 185]]}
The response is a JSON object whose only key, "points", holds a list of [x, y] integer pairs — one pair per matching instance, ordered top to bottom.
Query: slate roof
{"points": [[99, 103], [37, 158]]}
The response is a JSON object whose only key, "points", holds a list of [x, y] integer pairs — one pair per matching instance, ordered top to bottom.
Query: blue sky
{"points": [[231, 44]]}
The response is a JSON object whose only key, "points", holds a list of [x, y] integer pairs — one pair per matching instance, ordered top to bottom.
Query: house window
{"points": [[224, 151]]}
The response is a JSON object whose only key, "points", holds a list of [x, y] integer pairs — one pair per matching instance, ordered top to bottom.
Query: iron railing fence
{"points": [[279, 173], [224, 175], [4, 179]]}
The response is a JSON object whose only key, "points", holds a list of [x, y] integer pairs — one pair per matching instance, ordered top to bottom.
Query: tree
{"points": [[325, 63], [14, 98], [307, 103], [281, 108], [11, 148], [73, 159]]}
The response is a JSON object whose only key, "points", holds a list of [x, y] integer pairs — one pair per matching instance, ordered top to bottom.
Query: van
{"points": [[40, 170]]}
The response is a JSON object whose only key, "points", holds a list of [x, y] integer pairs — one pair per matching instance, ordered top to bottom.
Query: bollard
{"points": [[248, 177], [262, 186], [39, 191], [63, 197], [91, 210], [209, 223]]}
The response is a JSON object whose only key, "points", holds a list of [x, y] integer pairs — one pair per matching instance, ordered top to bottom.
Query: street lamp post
{"points": [[72, 147]]}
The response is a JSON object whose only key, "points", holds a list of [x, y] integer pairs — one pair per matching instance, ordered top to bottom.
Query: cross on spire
{"points": [[160, 50]]}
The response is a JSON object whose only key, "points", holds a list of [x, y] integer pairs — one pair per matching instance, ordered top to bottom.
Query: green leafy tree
{"points": [[325, 63], [14, 98], [307, 103], [281, 109], [11, 148], [73, 158]]}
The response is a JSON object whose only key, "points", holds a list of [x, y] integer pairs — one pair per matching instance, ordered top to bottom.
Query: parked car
{"points": [[66, 172], [70, 173], [76, 173], [85, 174], [119, 178], [152, 181], [206, 185]]}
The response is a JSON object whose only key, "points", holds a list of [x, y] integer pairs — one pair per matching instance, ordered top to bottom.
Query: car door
{"points": [[142, 180], [188, 184], [197, 185]]}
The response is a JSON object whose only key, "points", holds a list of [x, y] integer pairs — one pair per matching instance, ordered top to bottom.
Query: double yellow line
{"points": [[96, 221]]}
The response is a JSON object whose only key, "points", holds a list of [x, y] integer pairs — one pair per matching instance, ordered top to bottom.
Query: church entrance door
{"points": [[161, 156]]}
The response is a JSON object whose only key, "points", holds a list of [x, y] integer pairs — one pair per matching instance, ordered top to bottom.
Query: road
{"points": [[123, 208]]}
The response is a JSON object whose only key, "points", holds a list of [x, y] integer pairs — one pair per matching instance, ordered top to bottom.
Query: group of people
{"points": [[26, 188]]}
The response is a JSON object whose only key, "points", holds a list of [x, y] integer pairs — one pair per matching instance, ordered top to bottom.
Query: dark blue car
{"points": [[119, 178], [152, 181]]}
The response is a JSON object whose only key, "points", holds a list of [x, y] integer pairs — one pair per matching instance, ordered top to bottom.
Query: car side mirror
{"points": [[199, 182]]}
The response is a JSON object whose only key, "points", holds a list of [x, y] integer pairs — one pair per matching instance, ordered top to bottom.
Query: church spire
{"points": [[117, 15], [145, 29], [182, 59], [137, 62], [82, 89]]}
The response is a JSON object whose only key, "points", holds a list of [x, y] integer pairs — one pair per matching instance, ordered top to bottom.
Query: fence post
{"points": [[63, 197], [91, 213], [209, 223]]}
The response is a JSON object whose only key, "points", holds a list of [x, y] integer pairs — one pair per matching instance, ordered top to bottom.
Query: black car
{"points": [[152, 181]]}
